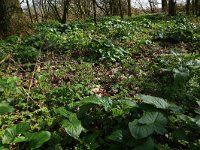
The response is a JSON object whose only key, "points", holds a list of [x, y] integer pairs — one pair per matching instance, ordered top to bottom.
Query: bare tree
{"points": [[66, 4], [164, 5], [187, 7], [197, 7], [129, 8], [172, 8], [7, 9], [120, 9], [35, 10], [29, 11], [94, 11]]}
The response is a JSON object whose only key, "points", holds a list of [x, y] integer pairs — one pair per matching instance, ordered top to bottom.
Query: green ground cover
{"points": [[131, 84]]}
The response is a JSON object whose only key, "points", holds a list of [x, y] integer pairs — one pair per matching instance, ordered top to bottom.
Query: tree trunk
{"points": [[66, 4], [151, 5], [164, 5], [111, 7], [187, 7], [197, 7], [115, 8], [129, 8], [172, 8], [7, 9], [120, 9], [35, 10], [55, 10], [29, 11], [94, 11], [3, 18]]}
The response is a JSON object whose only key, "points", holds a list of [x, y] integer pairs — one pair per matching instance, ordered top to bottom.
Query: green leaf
{"points": [[181, 74], [156, 101], [105, 102], [198, 102], [127, 103], [173, 107], [5, 108], [197, 110], [62, 111], [187, 119], [149, 123], [198, 123], [73, 126], [14, 131], [139, 131], [179, 134], [116, 136], [20, 139], [38, 139], [146, 144], [3, 147]]}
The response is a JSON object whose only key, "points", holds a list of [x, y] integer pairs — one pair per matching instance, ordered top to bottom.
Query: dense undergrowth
{"points": [[131, 84]]}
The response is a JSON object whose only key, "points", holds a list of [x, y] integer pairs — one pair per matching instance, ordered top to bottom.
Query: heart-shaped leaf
{"points": [[156, 101], [105, 102], [5, 108], [149, 123], [73, 126], [13, 132], [116, 136], [38, 139]]}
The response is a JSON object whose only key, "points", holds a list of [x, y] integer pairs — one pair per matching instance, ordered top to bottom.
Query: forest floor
{"points": [[141, 72]]}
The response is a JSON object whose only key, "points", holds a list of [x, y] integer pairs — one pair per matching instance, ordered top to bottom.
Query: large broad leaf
{"points": [[181, 75], [156, 101], [105, 102], [126, 103], [5, 108], [62, 111], [156, 119], [190, 120], [149, 123], [198, 123], [73, 126], [139, 131], [13, 132], [116, 136], [38, 139], [146, 144], [3, 147]]}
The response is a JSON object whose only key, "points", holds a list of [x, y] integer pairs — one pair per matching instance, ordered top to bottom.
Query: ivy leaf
{"points": [[156, 101], [73, 126], [14, 131], [38, 139]]}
